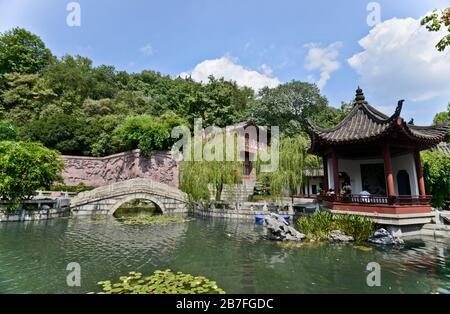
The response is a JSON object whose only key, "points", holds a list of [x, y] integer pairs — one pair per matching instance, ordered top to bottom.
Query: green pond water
{"points": [[34, 257]]}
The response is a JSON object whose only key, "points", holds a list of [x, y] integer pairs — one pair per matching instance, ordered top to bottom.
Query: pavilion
{"points": [[372, 162]]}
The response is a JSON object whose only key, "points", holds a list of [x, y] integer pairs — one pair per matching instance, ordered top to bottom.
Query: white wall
{"points": [[405, 162], [353, 169]]}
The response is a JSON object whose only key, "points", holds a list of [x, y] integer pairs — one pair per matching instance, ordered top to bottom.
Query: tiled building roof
{"points": [[443, 147]]}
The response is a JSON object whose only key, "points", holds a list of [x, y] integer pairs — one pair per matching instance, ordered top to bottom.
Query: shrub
{"points": [[72, 189], [319, 226], [360, 228], [161, 282]]}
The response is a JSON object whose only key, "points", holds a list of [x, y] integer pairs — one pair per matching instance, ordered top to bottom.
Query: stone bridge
{"points": [[107, 199]]}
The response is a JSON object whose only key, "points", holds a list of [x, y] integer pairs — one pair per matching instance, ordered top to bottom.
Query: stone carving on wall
{"points": [[100, 171]]}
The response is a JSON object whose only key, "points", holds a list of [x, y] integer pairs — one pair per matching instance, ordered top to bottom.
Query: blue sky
{"points": [[259, 42]]}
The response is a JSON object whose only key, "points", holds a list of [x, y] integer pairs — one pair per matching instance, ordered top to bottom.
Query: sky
{"points": [[339, 45]]}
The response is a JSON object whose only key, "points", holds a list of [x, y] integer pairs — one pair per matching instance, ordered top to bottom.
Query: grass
{"points": [[319, 226]]}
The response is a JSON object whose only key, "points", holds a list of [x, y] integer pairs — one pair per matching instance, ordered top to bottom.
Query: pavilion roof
{"points": [[365, 123], [443, 147]]}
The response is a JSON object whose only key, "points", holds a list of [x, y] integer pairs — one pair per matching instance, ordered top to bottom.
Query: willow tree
{"points": [[293, 160], [198, 176]]}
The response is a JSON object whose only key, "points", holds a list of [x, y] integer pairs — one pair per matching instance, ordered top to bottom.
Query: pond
{"points": [[34, 257]]}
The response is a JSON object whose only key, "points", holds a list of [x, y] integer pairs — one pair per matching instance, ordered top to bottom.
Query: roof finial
{"points": [[359, 95]]}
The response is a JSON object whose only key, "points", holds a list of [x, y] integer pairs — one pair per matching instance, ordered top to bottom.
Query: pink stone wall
{"points": [[99, 171]]}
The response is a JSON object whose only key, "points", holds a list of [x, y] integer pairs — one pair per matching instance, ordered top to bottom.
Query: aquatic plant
{"points": [[152, 219], [140, 220], [319, 226], [359, 227], [161, 282]]}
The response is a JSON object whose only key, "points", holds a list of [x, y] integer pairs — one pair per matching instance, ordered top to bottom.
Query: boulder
{"points": [[278, 229], [339, 236], [382, 236]]}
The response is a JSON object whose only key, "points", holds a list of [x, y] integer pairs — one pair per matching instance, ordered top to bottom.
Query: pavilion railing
{"points": [[377, 199]]}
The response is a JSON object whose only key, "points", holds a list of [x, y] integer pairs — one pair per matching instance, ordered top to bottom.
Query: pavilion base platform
{"points": [[378, 208]]}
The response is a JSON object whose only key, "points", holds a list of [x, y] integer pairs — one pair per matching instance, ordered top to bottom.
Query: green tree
{"points": [[437, 20], [23, 52], [24, 97], [226, 103], [70, 105], [289, 106], [7, 131], [58, 131], [146, 132], [293, 160], [436, 166], [24, 168], [200, 178]]}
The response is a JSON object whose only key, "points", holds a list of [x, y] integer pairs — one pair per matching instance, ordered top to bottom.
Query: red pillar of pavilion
{"points": [[388, 170], [419, 172], [325, 174], [337, 188]]}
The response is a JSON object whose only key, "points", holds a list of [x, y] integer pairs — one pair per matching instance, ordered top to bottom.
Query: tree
{"points": [[435, 21], [23, 52], [71, 79], [24, 97], [226, 103], [70, 105], [289, 106], [7, 131], [58, 131], [146, 132], [293, 160], [24, 168], [436, 168], [198, 178]]}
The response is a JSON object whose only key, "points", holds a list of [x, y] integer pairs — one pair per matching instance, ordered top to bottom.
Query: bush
{"points": [[72, 189], [319, 226], [360, 228], [161, 282]]}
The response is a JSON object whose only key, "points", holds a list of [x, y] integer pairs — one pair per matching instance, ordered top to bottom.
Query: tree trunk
{"points": [[219, 188]]}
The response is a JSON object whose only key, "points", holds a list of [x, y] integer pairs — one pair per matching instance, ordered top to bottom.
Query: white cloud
{"points": [[147, 50], [323, 60], [400, 60], [228, 68], [266, 70]]}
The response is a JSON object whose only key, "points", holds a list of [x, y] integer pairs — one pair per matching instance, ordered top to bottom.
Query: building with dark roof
{"points": [[372, 161]]}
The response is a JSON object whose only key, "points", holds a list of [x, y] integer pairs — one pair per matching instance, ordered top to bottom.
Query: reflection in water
{"points": [[34, 256]]}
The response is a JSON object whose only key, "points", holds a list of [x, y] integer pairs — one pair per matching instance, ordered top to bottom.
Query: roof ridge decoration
{"points": [[361, 103]]}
